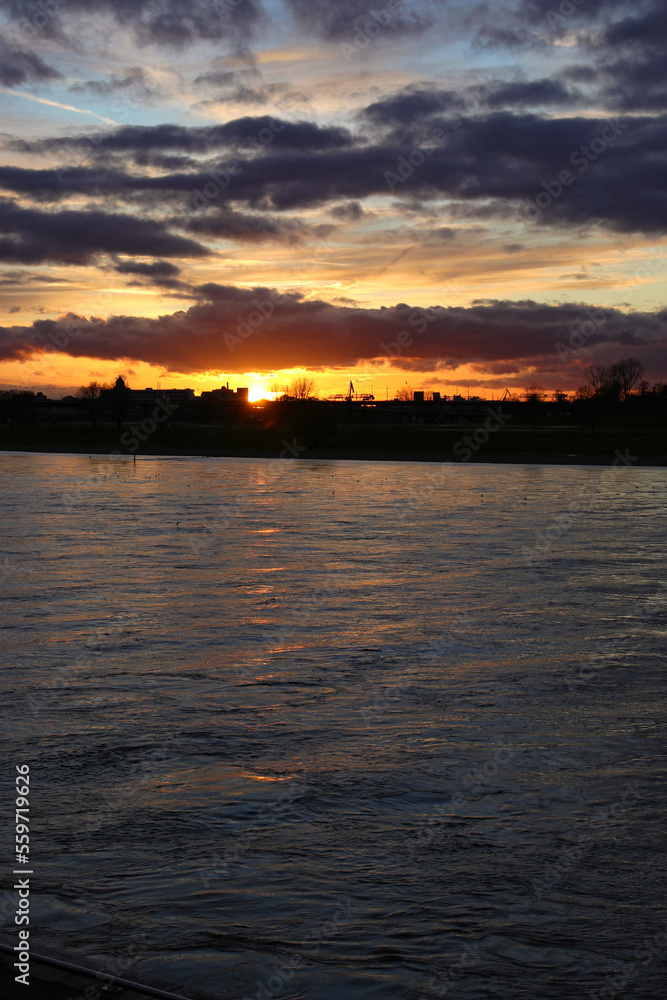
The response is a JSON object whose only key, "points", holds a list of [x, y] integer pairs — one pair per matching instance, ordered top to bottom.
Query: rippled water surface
{"points": [[337, 729]]}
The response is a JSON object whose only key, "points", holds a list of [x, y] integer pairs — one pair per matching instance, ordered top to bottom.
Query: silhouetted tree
{"points": [[626, 374], [597, 376], [616, 381], [302, 388], [279, 390], [91, 394], [405, 394], [534, 394]]}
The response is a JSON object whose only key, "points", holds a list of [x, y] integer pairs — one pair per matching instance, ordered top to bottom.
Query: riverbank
{"points": [[545, 446]]}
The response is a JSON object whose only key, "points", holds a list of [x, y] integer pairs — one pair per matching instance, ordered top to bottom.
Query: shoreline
{"points": [[323, 455]]}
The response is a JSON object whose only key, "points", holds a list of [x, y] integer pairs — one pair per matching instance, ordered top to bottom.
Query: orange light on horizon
{"points": [[257, 391]]}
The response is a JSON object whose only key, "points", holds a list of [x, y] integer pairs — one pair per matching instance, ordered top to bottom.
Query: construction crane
{"points": [[350, 392], [508, 395]]}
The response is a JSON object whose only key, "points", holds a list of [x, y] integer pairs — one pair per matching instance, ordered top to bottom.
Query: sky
{"points": [[456, 196]]}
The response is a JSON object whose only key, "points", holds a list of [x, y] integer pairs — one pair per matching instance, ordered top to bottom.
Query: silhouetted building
{"points": [[225, 395], [122, 403]]}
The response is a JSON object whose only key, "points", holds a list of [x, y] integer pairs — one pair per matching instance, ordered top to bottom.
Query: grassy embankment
{"points": [[513, 442]]}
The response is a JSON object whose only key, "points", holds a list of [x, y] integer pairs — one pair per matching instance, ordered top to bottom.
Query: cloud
{"points": [[338, 22], [167, 23], [538, 23], [624, 45], [633, 60], [18, 65], [219, 78], [135, 79], [245, 86], [530, 93], [418, 103], [410, 104], [139, 139], [487, 166], [351, 211], [250, 228], [76, 237], [159, 268], [161, 273], [14, 278], [237, 329]]}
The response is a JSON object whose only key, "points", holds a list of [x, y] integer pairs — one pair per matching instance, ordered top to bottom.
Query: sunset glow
{"points": [[284, 186]]}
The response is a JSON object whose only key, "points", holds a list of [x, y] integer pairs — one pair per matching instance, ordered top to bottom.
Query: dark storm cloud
{"points": [[535, 11], [338, 22], [169, 23], [529, 23], [624, 44], [633, 59], [19, 65], [529, 93], [422, 103], [411, 104], [135, 139], [494, 164], [52, 185], [350, 212], [231, 225], [75, 237], [158, 269], [160, 273], [259, 329]]}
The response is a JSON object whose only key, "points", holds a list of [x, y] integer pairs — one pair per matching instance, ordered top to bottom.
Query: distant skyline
{"points": [[254, 190]]}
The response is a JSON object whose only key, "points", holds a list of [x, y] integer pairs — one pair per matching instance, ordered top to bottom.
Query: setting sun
{"points": [[257, 391]]}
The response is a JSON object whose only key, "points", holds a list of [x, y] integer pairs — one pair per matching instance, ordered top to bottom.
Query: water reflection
{"points": [[413, 744]]}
